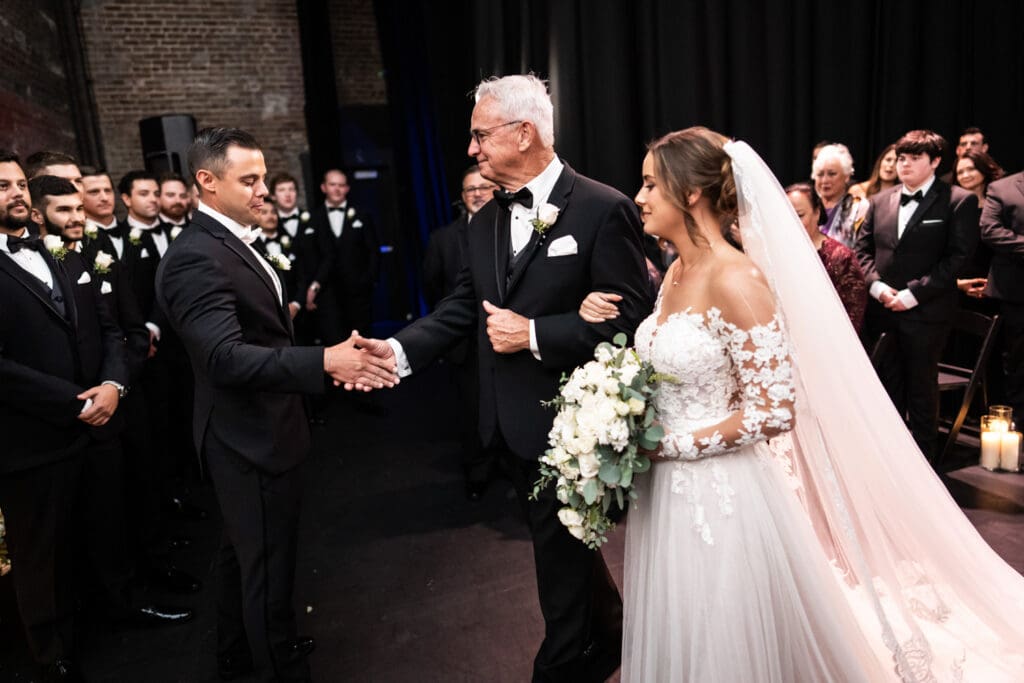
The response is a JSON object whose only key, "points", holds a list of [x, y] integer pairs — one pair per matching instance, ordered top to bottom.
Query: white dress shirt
{"points": [[337, 218], [289, 221], [111, 231], [247, 236], [159, 238], [32, 262]]}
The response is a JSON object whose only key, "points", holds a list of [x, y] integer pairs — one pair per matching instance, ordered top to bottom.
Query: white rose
{"points": [[351, 213], [547, 213], [304, 216], [175, 231], [135, 234], [286, 241], [53, 242], [273, 248], [103, 260], [603, 353], [636, 406], [622, 408], [589, 465], [570, 517], [577, 531]]}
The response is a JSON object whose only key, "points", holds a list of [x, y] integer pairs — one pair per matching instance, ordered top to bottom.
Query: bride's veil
{"points": [[932, 590]]}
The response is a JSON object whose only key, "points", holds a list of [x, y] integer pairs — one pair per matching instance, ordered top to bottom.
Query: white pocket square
{"points": [[933, 220], [357, 223], [309, 231], [563, 246], [145, 253], [85, 279], [105, 288]]}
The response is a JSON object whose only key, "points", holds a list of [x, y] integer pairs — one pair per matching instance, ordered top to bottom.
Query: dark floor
{"points": [[400, 578]]}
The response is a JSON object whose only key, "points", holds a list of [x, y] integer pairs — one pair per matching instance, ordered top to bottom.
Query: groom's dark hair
{"points": [[209, 149]]}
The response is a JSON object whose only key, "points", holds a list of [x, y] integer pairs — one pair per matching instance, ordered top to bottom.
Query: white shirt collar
{"points": [[540, 187], [923, 189], [343, 205], [294, 213], [170, 221], [133, 223], [111, 226], [236, 228], [4, 236]]}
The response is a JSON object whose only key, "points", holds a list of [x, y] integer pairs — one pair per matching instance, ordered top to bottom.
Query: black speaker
{"points": [[165, 141]]}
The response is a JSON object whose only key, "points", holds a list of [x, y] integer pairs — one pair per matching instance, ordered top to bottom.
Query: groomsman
{"points": [[55, 164], [174, 203], [294, 222], [1002, 230], [103, 231], [914, 240], [275, 245], [444, 258], [345, 269], [520, 295], [229, 307]]}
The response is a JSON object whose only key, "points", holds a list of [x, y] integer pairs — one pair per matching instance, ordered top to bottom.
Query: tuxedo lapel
{"points": [[922, 206], [502, 249], [33, 285], [66, 286]]}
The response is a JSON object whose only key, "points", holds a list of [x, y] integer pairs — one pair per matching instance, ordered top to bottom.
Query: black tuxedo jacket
{"points": [[1002, 230], [940, 236], [102, 242], [304, 249], [444, 257], [349, 261], [288, 276], [546, 288], [115, 290], [47, 359], [248, 375]]}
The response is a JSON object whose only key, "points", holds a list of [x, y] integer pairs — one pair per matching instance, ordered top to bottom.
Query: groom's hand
{"points": [[508, 331], [361, 366]]}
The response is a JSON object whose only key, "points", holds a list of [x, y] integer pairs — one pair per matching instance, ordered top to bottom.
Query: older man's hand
{"points": [[508, 331]]}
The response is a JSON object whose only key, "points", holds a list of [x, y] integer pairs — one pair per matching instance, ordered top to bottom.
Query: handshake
{"points": [[361, 364]]}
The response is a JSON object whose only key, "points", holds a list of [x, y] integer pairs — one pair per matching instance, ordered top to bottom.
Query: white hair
{"points": [[522, 98], [835, 151]]}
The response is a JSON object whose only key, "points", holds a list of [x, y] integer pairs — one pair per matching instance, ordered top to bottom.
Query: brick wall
{"points": [[225, 62], [358, 70], [34, 109]]}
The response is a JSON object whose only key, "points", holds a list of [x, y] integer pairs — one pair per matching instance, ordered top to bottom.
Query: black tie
{"points": [[505, 198], [907, 198], [335, 208], [16, 244]]}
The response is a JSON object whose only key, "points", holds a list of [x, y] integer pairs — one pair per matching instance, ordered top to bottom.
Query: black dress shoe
{"points": [[182, 509], [171, 579], [159, 615], [304, 645], [230, 668], [63, 670]]}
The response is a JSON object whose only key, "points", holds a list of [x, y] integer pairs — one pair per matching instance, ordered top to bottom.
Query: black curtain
{"points": [[780, 74]]}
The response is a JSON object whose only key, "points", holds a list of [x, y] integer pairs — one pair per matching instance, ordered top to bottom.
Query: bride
{"points": [[789, 529]]}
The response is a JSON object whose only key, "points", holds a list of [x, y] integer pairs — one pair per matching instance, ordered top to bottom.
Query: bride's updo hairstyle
{"points": [[695, 159]]}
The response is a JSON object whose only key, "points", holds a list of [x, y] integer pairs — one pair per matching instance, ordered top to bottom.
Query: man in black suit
{"points": [[174, 202], [293, 222], [1002, 230], [103, 232], [913, 242], [533, 255], [444, 259], [346, 260], [230, 309]]}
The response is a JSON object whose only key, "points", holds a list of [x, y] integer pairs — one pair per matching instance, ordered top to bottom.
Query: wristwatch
{"points": [[122, 390]]}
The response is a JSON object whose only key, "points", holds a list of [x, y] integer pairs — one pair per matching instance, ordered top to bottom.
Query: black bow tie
{"points": [[505, 198], [907, 198], [335, 208], [116, 227], [16, 244]]}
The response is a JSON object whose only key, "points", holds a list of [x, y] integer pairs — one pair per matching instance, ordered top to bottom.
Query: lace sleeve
{"points": [[764, 401]]}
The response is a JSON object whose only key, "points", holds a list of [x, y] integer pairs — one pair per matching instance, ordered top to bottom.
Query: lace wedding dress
{"points": [[798, 534]]}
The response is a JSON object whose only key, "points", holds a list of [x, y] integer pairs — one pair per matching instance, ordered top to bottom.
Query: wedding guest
{"points": [[971, 140], [974, 171], [831, 172], [883, 175], [284, 190], [174, 204], [294, 221], [103, 231], [1002, 231], [915, 239], [276, 246], [445, 256], [840, 261], [344, 269], [530, 335], [251, 425]]}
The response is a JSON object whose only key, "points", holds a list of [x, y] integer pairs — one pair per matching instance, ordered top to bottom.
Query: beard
{"points": [[13, 224], [53, 229]]}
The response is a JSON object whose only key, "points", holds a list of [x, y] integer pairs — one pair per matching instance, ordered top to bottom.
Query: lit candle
{"points": [[991, 448], [1009, 452]]}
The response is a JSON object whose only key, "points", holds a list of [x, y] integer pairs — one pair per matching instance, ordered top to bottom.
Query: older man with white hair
{"points": [[550, 237]]}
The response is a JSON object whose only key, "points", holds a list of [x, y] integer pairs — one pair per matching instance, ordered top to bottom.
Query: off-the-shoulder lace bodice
{"points": [[739, 380]]}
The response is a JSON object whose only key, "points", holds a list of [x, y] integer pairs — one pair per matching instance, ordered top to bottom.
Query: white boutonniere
{"points": [[350, 213], [304, 216], [546, 216], [92, 231], [175, 231], [135, 236], [286, 241], [55, 245], [279, 261], [101, 266]]}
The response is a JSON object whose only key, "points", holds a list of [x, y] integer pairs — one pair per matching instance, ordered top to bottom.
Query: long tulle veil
{"points": [[939, 598]]}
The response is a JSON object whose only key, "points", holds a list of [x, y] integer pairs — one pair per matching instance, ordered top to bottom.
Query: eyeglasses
{"points": [[481, 134], [479, 188]]}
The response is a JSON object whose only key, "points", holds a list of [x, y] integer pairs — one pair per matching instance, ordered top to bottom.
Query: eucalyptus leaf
{"points": [[620, 339], [610, 473], [590, 492]]}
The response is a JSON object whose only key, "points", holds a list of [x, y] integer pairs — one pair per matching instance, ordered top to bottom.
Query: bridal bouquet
{"points": [[605, 417]]}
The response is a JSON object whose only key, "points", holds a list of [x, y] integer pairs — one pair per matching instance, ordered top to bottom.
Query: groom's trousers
{"points": [[256, 563], [578, 598]]}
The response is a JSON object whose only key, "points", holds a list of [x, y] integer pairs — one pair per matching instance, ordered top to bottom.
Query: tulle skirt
{"points": [[725, 581]]}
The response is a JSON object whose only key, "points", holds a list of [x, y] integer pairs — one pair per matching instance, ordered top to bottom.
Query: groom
{"points": [[529, 265]]}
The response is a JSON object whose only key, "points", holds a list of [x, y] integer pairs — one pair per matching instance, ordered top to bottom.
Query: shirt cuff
{"points": [[877, 287], [906, 298], [155, 329], [534, 349], [401, 360], [88, 404]]}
